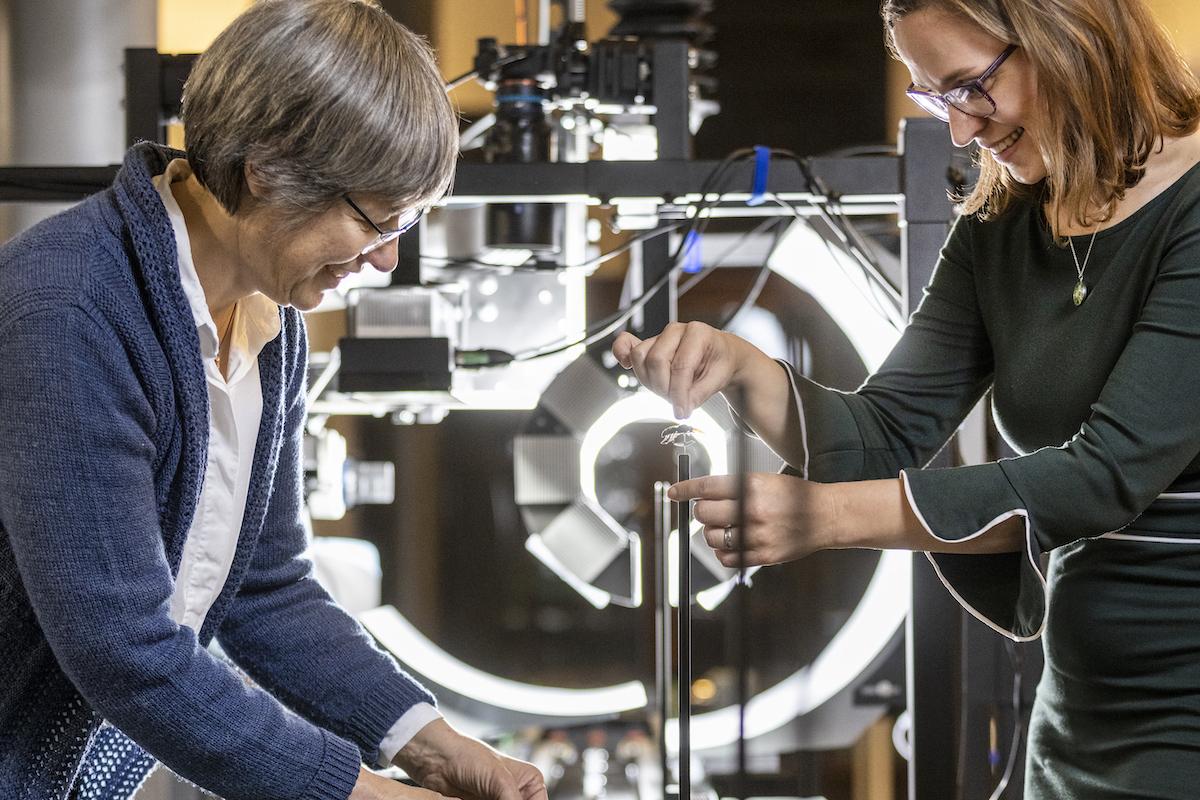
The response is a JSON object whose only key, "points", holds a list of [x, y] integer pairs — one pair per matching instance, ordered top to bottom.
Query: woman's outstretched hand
{"points": [[690, 362], [687, 363]]}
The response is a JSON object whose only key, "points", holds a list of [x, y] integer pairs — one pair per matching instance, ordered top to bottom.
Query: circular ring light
{"points": [[643, 406], [710, 435], [555, 480], [474, 690]]}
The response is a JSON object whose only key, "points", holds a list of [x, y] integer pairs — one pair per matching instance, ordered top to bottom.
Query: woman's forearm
{"points": [[762, 395], [877, 514]]}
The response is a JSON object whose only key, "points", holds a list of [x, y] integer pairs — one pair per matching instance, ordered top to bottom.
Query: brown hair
{"points": [[1111, 85], [321, 98]]}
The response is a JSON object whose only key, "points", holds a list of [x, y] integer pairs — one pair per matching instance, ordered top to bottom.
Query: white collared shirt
{"points": [[235, 410], [235, 414]]}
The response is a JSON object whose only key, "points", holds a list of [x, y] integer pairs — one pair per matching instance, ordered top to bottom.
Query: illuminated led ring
{"points": [[555, 481], [527, 703]]}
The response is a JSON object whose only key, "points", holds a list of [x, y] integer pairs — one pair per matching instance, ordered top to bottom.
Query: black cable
{"points": [[461, 79], [451, 85], [837, 222], [697, 223], [846, 231], [626, 246], [870, 268], [869, 276], [760, 281], [691, 282], [870, 294], [750, 298], [1017, 660]]}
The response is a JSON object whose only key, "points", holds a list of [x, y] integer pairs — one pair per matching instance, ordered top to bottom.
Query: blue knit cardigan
{"points": [[103, 445]]}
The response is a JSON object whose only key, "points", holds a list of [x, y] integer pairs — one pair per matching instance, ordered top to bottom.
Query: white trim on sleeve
{"points": [[791, 376], [1029, 554]]}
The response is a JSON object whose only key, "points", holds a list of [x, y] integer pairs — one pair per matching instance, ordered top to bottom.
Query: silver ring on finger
{"points": [[728, 537]]}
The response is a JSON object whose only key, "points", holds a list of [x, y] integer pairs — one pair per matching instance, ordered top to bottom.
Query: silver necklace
{"points": [[1081, 291]]}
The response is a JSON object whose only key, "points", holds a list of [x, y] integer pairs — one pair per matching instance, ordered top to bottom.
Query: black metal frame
{"points": [[153, 92], [872, 178], [663, 627]]}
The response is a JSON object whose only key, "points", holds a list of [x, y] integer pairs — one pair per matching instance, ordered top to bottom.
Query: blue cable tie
{"points": [[518, 98], [762, 165], [692, 253]]}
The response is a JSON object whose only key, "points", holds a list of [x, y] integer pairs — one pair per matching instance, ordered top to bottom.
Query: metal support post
{"points": [[684, 517], [662, 624], [933, 629]]}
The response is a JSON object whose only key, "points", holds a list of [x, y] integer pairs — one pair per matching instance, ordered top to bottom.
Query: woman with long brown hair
{"points": [[1069, 287]]}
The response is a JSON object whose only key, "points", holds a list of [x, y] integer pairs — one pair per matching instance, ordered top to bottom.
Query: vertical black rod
{"points": [[143, 96], [672, 98], [684, 469], [742, 607], [662, 624]]}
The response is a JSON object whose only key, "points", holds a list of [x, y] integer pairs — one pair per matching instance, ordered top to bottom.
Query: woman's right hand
{"points": [[687, 363], [370, 786]]}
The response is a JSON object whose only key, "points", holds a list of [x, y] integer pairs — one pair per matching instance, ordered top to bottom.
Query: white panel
{"points": [[580, 394], [545, 469], [584, 539]]}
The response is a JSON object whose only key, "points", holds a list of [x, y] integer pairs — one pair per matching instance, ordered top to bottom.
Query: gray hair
{"points": [[320, 98]]}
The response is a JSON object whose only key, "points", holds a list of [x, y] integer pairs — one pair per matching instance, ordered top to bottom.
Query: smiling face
{"points": [[943, 50], [296, 266]]}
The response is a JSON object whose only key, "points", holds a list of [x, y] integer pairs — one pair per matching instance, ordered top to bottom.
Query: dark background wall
{"points": [[808, 75]]}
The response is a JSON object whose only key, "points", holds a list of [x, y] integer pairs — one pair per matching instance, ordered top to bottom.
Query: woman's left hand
{"points": [[786, 517]]}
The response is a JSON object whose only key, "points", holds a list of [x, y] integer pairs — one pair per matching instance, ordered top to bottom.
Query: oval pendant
{"points": [[1080, 293]]}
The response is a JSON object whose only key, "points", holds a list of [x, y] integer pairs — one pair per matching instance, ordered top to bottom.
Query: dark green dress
{"points": [[1102, 401]]}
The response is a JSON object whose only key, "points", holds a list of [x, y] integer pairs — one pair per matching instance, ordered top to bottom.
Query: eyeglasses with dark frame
{"points": [[970, 98], [407, 219]]}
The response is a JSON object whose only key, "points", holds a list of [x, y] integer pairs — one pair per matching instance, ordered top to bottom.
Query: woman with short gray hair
{"points": [[151, 414]]}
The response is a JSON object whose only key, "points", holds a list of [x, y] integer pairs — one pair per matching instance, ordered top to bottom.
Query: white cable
{"points": [[476, 129]]}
